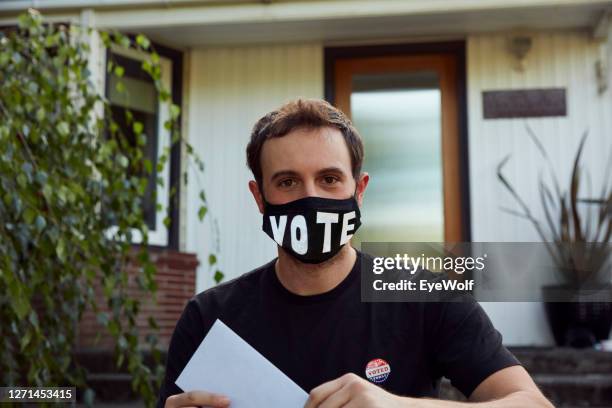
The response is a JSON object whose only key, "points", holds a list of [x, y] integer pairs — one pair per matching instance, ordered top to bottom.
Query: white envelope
{"points": [[226, 364]]}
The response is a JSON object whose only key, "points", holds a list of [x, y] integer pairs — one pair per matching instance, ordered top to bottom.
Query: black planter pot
{"points": [[577, 323]]}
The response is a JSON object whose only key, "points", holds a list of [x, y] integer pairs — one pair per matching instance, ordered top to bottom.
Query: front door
{"points": [[406, 107]]}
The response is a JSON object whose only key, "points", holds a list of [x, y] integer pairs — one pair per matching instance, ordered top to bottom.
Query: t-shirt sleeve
{"points": [[186, 338], [466, 347]]}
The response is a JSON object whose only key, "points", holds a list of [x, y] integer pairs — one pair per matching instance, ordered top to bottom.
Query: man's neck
{"points": [[313, 279]]}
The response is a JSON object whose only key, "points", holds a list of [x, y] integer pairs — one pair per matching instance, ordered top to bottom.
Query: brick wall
{"points": [[176, 285]]}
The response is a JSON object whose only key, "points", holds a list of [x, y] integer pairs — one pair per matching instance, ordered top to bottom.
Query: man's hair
{"points": [[302, 113]]}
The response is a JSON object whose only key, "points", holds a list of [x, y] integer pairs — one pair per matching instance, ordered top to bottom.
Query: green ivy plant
{"points": [[71, 195]]}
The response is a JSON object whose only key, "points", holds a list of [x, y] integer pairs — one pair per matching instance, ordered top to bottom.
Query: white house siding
{"points": [[557, 59], [229, 89]]}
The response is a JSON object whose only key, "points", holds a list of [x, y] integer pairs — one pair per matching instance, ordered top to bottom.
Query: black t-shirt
{"points": [[317, 338]]}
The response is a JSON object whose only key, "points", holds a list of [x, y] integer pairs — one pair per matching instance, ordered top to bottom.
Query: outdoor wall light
{"points": [[601, 35], [519, 46]]}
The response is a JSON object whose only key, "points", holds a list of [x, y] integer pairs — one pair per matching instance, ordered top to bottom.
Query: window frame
{"points": [[171, 62]]}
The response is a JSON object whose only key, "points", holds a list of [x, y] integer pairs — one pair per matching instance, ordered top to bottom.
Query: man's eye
{"points": [[330, 179], [286, 183]]}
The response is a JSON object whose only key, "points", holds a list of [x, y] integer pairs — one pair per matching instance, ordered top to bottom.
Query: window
{"points": [[141, 99]]}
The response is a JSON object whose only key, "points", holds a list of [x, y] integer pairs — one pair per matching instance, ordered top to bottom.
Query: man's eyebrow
{"points": [[331, 170], [284, 173], [292, 173]]}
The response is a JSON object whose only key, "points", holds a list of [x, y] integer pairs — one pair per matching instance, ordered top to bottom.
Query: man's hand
{"points": [[510, 387], [352, 391], [193, 399]]}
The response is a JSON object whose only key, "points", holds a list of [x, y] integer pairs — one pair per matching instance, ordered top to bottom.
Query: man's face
{"points": [[307, 162]]}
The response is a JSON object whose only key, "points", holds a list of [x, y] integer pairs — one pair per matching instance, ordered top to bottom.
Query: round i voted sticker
{"points": [[377, 370]]}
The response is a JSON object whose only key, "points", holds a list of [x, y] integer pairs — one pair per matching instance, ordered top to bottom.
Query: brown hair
{"points": [[310, 113]]}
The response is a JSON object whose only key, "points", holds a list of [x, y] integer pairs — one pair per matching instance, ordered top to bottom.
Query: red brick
{"points": [[176, 285]]}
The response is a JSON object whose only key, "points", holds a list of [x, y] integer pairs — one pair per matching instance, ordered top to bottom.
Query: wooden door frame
{"points": [[448, 60]]}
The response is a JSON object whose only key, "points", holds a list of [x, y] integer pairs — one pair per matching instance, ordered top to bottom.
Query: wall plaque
{"points": [[524, 103]]}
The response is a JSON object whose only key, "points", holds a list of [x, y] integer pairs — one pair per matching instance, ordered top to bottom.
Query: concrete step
{"points": [[564, 360], [563, 390], [579, 390]]}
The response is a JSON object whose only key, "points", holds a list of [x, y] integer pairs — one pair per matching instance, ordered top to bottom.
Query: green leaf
{"points": [[24, 21], [123, 40], [143, 41], [4, 58], [146, 66], [119, 71], [175, 111], [40, 114], [137, 127], [63, 128], [142, 139], [122, 160], [148, 166], [27, 169], [41, 177], [22, 180], [17, 203], [202, 212], [28, 215], [40, 223], [60, 250], [212, 259], [218, 276], [21, 306], [33, 319], [153, 323], [113, 327], [25, 340], [122, 343], [120, 359]]}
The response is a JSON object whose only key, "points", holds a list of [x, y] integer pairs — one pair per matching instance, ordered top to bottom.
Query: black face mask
{"points": [[312, 229]]}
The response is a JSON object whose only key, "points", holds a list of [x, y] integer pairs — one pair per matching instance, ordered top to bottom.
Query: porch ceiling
{"points": [[351, 28]]}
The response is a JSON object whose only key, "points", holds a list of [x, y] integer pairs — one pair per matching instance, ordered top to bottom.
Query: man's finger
{"points": [[320, 393], [197, 398], [338, 398]]}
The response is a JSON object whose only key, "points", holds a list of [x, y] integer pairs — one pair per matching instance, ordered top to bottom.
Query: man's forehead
{"points": [[306, 150]]}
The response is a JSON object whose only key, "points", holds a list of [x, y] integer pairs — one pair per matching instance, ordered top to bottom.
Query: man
{"points": [[303, 311]]}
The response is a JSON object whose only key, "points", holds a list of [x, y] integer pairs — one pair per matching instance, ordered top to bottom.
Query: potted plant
{"points": [[578, 242]]}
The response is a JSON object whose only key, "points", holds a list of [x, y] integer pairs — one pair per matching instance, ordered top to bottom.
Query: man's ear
{"points": [[362, 184], [254, 187]]}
